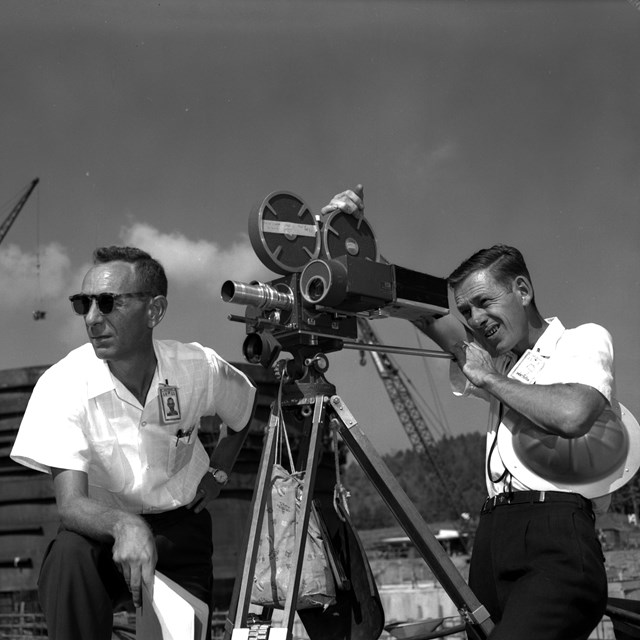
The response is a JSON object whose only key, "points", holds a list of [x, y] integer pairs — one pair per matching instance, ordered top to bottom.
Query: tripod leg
{"points": [[313, 454], [408, 516], [240, 601], [236, 627]]}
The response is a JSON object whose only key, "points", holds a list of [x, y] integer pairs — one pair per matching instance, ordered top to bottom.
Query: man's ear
{"points": [[523, 288], [156, 310]]}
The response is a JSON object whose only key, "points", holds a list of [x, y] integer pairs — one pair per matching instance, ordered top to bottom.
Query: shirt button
{"points": [[144, 424]]}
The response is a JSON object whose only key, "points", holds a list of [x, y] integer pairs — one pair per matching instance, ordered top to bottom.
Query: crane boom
{"points": [[10, 219], [403, 403], [419, 434]]}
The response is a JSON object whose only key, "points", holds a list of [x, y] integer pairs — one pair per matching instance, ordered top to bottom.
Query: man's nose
{"points": [[94, 315], [476, 318]]}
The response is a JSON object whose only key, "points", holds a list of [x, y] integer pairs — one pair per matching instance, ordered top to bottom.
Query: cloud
{"points": [[189, 263], [197, 263], [22, 282], [24, 288]]}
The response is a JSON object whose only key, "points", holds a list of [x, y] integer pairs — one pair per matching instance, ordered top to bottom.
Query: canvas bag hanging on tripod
{"points": [[273, 570], [358, 613]]}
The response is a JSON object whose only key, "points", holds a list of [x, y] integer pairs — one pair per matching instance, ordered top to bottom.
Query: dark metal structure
{"points": [[17, 208], [28, 514]]}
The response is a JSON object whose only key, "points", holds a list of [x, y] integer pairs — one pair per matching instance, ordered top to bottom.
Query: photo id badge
{"points": [[527, 368], [169, 403]]}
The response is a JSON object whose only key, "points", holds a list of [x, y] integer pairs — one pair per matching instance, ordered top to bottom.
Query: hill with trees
{"points": [[444, 484]]}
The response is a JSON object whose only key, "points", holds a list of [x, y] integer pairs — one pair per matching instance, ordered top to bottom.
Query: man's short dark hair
{"points": [[503, 262], [151, 275]]}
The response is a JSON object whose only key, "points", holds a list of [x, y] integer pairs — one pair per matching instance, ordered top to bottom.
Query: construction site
{"points": [[415, 602]]}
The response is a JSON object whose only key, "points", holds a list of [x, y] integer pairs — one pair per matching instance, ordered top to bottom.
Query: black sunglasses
{"points": [[81, 302]]}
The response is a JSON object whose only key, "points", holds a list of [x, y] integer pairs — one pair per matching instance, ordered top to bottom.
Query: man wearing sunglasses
{"points": [[115, 422]]}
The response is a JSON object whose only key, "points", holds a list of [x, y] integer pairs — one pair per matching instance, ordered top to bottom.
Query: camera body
{"points": [[332, 274]]}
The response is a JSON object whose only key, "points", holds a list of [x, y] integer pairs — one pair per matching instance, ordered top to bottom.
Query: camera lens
{"points": [[324, 282], [316, 288], [228, 290], [258, 294], [253, 348], [261, 348]]}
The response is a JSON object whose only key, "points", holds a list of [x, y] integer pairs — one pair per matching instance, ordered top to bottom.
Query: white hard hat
{"points": [[593, 465]]}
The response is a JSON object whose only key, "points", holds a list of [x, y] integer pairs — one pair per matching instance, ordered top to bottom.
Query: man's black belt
{"points": [[534, 497]]}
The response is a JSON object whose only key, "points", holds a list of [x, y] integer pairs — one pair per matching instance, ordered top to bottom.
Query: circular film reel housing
{"points": [[284, 233], [344, 234]]}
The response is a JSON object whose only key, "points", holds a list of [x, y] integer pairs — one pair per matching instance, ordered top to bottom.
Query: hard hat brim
{"points": [[593, 465]]}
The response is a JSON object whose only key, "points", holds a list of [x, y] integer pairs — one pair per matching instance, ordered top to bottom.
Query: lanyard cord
{"points": [[504, 474]]}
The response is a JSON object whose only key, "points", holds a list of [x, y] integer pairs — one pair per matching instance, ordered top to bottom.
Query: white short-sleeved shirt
{"points": [[583, 355], [81, 417]]}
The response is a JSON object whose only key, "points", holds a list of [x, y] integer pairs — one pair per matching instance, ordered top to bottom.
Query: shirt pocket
{"points": [[180, 452], [106, 469]]}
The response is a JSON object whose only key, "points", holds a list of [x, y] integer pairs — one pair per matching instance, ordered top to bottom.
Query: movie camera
{"points": [[331, 273], [333, 280]]}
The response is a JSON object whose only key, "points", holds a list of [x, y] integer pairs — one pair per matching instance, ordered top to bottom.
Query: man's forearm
{"points": [[445, 331], [567, 410], [227, 449], [78, 512], [97, 521]]}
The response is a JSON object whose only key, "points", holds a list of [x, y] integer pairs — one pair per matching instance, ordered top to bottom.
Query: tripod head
{"points": [[331, 275]]}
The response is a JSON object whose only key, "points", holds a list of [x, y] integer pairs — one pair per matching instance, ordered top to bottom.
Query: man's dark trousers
{"points": [[539, 570], [79, 583]]}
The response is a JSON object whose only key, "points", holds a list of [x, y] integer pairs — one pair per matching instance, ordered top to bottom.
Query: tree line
{"points": [[443, 483]]}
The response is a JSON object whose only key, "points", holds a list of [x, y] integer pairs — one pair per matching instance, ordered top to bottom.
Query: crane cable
{"points": [[39, 313], [441, 416], [434, 419], [420, 445]]}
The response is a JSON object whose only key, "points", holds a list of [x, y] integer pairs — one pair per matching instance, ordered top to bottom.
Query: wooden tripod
{"points": [[323, 409]]}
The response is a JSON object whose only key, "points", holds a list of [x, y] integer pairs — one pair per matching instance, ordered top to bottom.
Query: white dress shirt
{"points": [[582, 355], [81, 417]]}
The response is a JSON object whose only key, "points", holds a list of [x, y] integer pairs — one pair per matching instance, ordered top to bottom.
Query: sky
{"points": [[163, 124]]}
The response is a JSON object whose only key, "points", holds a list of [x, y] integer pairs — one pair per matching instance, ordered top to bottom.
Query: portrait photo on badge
{"points": [[169, 404]]}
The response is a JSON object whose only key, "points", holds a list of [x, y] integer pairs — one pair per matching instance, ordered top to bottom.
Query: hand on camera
{"points": [[348, 201], [476, 363]]}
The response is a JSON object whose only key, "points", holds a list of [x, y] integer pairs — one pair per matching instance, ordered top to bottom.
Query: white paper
{"points": [[172, 614], [175, 614]]}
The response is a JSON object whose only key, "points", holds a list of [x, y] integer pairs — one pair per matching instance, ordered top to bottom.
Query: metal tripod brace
{"points": [[317, 400]]}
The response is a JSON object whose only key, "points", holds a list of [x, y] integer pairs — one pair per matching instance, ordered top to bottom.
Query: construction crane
{"points": [[13, 214], [38, 314], [405, 406], [411, 418]]}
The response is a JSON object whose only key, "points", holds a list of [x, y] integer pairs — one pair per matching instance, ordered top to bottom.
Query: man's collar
{"points": [[546, 343], [99, 377]]}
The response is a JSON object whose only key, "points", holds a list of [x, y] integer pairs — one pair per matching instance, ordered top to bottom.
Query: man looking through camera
{"points": [[132, 480], [537, 564]]}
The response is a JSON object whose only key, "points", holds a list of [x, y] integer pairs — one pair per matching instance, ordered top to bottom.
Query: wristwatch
{"points": [[220, 476]]}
